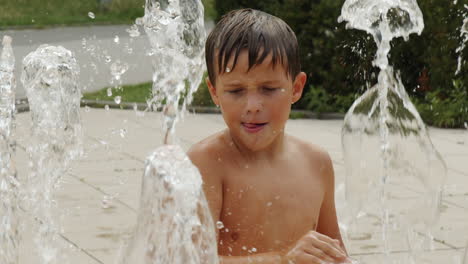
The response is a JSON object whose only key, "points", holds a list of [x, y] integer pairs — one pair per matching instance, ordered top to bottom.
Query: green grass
{"points": [[39, 13], [42, 13], [130, 93], [140, 93]]}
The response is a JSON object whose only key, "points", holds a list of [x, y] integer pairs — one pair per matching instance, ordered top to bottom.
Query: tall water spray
{"points": [[176, 31], [464, 37], [50, 77], [394, 173], [9, 186], [174, 221]]}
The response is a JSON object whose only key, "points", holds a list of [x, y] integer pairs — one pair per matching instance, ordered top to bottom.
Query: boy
{"points": [[271, 194]]}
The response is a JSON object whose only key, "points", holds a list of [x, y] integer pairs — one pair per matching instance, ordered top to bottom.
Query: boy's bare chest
{"points": [[269, 208]]}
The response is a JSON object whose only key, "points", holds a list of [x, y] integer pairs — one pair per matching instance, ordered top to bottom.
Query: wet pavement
{"points": [[99, 196]]}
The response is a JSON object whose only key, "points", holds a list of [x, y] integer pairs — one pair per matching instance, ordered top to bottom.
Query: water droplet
{"points": [[91, 15], [139, 21], [164, 21], [133, 31], [117, 39], [83, 43], [118, 68], [228, 70], [109, 92], [118, 99], [106, 107], [87, 109], [123, 132], [106, 202], [219, 225], [226, 230], [151, 247], [244, 248], [254, 250]]}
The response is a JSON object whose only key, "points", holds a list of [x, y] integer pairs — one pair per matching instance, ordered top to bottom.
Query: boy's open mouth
{"points": [[253, 127]]}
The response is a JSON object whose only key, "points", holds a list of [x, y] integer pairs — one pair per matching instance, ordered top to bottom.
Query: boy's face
{"points": [[256, 103]]}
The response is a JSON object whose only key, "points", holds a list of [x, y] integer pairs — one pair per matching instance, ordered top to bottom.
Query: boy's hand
{"points": [[315, 248]]}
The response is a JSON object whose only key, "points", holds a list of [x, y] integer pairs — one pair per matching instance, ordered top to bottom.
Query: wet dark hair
{"points": [[259, 33]]}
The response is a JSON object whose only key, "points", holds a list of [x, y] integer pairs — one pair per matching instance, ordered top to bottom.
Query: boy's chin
{"points": [[258, 142]]}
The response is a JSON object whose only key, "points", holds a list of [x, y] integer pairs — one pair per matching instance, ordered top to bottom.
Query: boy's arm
{"points": [[328, 222]]}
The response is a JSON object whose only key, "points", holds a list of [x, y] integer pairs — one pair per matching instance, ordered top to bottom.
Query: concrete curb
{"points": [[23, 106]]}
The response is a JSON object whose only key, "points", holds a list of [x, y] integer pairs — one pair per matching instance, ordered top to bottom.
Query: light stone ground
{"points": [[99, 196]]}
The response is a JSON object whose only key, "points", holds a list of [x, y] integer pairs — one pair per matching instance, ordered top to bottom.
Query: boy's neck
{"points": [[270, 153]]}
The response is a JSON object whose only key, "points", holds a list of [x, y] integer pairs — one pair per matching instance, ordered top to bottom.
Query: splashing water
{"points": [[384, 20], [177, 35], [464, 37], [117, 69], [50, 77], [403, 184], [9, 185], [174, 220], [465, 255]]}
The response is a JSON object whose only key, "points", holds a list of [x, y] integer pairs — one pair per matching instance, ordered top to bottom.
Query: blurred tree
{"points": [[339, 61]]}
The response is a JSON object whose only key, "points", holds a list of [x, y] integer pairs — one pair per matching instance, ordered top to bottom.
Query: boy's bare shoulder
{"points": [[312, 151], [206, 153], [316, 155]]}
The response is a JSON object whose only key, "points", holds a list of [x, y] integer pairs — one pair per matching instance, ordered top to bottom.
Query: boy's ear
{"points": [[298, 86], [212, 91]]}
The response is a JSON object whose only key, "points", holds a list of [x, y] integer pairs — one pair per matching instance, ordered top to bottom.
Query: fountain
{"points": [[464, 37], [50, 77], [394, 173], [9, 185], [401, 187], [174, 221]]}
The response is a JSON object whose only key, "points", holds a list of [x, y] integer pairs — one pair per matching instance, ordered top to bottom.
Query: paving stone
{"points": [[112, 164]]}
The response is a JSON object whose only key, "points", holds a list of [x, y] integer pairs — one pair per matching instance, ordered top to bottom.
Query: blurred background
{"points": [[338, 61]]}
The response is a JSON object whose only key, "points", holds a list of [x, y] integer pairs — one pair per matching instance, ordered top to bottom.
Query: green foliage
{"points": [[210, 11], [39, 13], [338, 61], [130, 93], [140, 93], [202, 97], [320, 101], [445, 108], [296, 115]]}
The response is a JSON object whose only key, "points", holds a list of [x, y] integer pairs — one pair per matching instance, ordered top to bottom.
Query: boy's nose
{"points": [[254, 104]]}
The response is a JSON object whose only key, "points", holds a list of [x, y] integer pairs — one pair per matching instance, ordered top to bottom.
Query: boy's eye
{"points": [[269, 89], [235, 91]]}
